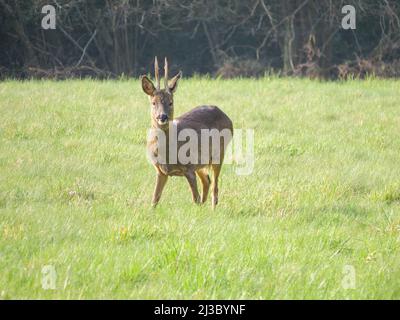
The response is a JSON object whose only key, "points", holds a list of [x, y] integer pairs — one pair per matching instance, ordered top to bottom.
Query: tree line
{"points": [[226, 38]]}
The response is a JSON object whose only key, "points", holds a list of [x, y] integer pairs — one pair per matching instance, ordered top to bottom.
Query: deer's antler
{"points": [[156, 73], [166, 74]]}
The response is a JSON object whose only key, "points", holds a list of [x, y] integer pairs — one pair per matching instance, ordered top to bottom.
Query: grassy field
{"points": [[324, 197]]}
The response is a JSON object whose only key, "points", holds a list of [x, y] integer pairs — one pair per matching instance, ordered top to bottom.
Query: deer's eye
{"points": [[154, 104], [170, 104]]}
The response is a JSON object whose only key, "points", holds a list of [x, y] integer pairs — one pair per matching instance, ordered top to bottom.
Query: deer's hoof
{"points": [[154, 205]]}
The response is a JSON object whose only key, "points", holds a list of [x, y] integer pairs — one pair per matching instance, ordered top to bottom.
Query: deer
{"points": [[204, 117]]}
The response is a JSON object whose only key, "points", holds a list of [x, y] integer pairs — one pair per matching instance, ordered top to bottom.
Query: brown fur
{"points": [[202, 117]]}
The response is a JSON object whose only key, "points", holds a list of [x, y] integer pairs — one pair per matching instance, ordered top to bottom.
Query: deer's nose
{"points": [[163, 117]]}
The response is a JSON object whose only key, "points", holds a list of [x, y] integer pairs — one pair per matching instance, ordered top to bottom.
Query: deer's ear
{"points": [[173, 83], [147, 85]]}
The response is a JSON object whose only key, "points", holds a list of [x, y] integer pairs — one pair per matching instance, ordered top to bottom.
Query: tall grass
{"points": [[324, 196]]}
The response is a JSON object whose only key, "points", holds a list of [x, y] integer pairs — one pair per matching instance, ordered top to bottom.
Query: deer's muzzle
{"points": [[162, 119]]}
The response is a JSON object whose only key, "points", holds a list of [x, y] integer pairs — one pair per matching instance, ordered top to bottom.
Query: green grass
{"points": [[75, 191]]}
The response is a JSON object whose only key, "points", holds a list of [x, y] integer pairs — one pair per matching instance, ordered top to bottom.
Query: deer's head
{"points": [[161, 100]]}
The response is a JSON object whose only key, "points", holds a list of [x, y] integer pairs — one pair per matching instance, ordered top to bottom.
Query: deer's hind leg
{"points": [[216, 168], [191, 178], [205, 182]]}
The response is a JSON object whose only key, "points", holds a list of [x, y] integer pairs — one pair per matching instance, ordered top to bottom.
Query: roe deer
{"points": [[208, 118]]}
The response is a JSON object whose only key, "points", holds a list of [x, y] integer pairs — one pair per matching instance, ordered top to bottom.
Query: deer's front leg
{"points": [[191, 178], [161, 180]]}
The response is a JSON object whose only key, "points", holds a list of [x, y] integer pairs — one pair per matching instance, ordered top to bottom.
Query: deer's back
{"points": [[204, 117]]}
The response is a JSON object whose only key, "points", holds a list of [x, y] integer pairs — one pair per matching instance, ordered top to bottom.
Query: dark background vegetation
{"points": [[104, 38]]}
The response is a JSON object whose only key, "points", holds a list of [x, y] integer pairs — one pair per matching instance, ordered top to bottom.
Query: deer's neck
{"points": [[165, 130], [155, 138]]}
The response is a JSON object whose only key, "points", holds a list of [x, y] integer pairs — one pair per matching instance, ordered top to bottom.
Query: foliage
{"points": [[112, 38]]}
